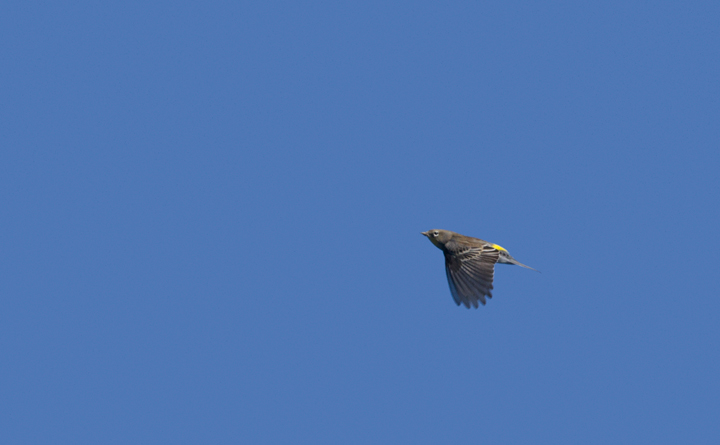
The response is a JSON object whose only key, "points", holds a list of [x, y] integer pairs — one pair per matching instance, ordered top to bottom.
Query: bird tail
{"points": [[510, 260], [514, 261]]}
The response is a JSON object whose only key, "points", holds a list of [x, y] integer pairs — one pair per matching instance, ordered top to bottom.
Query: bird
{"points": [[470, 265]]}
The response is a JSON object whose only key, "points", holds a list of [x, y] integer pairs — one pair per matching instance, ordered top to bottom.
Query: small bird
{"points": [[470, 265]]}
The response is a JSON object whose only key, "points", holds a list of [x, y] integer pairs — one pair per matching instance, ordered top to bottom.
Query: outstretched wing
{"points": [[470, 274]]}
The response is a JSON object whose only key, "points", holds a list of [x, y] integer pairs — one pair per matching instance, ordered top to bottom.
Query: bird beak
{"points": [[424, 233]]}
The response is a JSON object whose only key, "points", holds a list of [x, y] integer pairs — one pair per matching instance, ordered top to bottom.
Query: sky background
{"points": [[211, 218]]}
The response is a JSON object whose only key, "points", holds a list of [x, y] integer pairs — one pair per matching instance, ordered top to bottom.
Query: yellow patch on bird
{"points": [[499, 247]]}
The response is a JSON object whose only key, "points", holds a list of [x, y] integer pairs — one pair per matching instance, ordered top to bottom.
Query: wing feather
{"points": [[470, 274]]}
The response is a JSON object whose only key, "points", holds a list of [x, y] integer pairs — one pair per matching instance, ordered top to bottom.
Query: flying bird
{"points": [[470, 265]]}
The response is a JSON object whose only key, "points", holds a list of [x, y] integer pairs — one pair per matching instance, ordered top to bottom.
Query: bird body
{"points": [[470, 265]]}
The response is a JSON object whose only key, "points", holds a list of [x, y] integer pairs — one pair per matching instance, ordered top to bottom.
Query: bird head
{"points": [[438, 237]]}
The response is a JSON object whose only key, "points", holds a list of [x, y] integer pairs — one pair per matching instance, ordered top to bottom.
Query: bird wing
{"points": [[470, 274]]}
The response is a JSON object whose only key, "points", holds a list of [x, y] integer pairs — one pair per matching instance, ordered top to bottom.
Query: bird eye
{"points": [[436, 233]]}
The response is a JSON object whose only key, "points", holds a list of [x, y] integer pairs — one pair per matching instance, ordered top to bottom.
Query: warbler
{"points": [[470, 265]]}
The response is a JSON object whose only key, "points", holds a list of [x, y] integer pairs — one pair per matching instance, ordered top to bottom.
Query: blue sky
{"points": [[212, 215]]}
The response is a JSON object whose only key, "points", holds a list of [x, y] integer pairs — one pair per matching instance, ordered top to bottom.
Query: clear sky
{"points": [[211, 217]]}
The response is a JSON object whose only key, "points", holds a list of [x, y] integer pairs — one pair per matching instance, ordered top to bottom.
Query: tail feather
{"points": [[510, 260], [514, 261]]}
